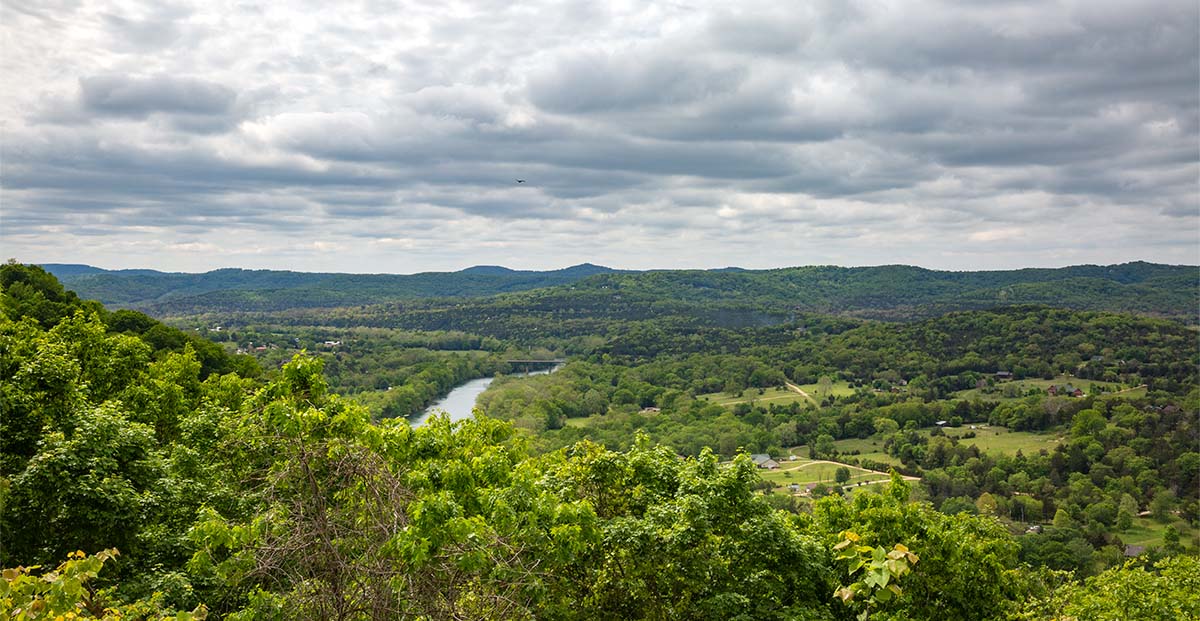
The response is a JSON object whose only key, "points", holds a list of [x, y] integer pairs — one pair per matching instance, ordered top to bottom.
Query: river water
{"points": [[460, 402]]}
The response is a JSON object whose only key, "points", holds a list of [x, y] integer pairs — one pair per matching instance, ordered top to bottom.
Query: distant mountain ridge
{"points": [[144, 289], [882, 292]]}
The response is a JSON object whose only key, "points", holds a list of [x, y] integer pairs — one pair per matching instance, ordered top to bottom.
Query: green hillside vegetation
{"points": [[274, 290], [732, 297], [146, 472]]}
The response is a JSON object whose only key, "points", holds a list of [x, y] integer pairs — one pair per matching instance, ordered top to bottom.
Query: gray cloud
{"points": [[597, 81], [116, 95], [737, 133]]}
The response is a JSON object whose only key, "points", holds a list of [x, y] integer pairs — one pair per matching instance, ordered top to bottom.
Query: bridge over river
{"points": [[528, 365]]}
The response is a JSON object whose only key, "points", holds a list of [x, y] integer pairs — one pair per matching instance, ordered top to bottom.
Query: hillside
{"points": [[239, 289], [891, 292], [901, 292]]}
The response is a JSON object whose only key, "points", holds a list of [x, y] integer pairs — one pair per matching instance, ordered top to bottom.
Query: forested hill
{"points": [[238, 289], [884, 292], [901, 292]]}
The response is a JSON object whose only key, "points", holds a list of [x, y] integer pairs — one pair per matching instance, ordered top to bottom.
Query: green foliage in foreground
{"points": [[241, 499], [308, 510], [67, 592], [1166, 592]]}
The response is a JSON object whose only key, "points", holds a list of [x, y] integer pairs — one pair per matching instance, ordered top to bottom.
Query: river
{"points": [[461, 401]]}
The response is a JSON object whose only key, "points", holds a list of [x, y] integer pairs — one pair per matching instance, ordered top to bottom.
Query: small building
{"points": [[332, 343], [1004, 375], [1067, 391], [941, 423], [764, 461], [1131, 550]]}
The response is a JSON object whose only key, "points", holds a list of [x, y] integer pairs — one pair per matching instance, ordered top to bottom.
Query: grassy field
{"points": [[1025, 385], [838, 389], [1128, 393], [751, 395], [782, 396], [990, 440], [1001, 440], [805, 471], [1148, 532]]}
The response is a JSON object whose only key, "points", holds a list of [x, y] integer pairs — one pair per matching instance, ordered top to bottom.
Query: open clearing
{"points": [[1023, 386], [837, 389], [810, 393], [781, 396], [992, 439], [805, 471], [1149, 532]]}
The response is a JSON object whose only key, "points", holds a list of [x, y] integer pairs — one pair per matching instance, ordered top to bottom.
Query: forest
{"points": [[893, 292], [258, 465]]}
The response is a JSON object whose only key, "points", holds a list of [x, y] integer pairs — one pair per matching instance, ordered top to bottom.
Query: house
{"points": [[332, 343], [1004, 375], [1067, 390], [651, 410], [941, 423], [763, 460], [1131, 550]]}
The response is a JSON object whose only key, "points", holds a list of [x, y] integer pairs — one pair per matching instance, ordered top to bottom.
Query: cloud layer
{"points": [[387, 136]]}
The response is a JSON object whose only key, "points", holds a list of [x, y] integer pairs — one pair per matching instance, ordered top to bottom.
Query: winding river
{"points": [[459, 403]]}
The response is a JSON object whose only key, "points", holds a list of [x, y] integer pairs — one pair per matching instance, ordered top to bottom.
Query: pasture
{"points": [[1016, 390], [781, 396], [991, 439], [805, 471]]}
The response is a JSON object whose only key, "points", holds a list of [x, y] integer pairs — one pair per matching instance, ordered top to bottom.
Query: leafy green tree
{"points": [[885, 426], [824, 448], [87, 490], [1163, 504], [685, 539], [967, 562], [881, 571], [69, 592], [1127, 593]]}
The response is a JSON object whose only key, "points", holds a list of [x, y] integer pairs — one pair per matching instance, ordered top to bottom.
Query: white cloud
{"points": [[365, 135]]}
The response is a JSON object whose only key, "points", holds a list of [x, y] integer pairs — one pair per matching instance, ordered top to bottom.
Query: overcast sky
{"points": [[387, 136]]}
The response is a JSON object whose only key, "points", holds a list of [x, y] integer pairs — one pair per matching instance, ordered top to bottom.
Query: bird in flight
{"points": [[520, 181]]}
